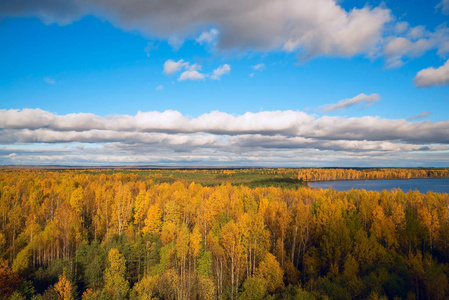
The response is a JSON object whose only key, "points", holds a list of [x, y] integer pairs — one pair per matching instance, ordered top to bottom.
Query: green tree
{"points": [[254, 288]]}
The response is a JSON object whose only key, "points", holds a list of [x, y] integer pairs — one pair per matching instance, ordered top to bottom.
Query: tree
{"points": [[153, 222], [233, 251], [22, 260], [270, 270], [9, 280], [116, 286], [64, 288], [146, 288], [254, 288]]}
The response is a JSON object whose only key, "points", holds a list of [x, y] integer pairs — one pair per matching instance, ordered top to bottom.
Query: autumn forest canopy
{"points": [[219, 234]]}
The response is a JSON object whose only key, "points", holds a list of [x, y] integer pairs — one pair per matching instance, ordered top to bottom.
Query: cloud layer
{"points": [[311, 27], [431, 76], [263, 138]]}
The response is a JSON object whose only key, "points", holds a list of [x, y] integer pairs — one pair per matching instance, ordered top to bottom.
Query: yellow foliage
{"points": [[153, 222], [64, 288]]}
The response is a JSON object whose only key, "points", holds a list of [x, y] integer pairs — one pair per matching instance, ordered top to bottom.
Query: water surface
{"points": [[437, 185]]}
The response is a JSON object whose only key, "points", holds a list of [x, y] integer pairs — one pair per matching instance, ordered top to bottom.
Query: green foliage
{"points": [[91, 259], [22, 260], [164, 263], [204, 264], [46, 277], [116, 286], [146, 288], [206, 288], [254, 288], [27, 289], [332, 289], [297, 293], [17, 296]]}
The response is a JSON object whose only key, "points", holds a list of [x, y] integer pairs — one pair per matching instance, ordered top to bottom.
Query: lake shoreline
{"points": [[423, 185]]}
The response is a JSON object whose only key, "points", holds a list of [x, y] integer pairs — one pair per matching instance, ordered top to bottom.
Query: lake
{"points": [[437, 185]]}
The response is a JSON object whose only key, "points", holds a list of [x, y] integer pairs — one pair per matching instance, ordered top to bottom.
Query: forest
{"points": [[219, 234]]}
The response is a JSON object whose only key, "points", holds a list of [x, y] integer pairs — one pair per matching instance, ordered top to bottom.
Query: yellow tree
{"points": [[77, 201], [140, 208], [121, 212], [153, 222], [195, 244], [233, 249], [182, 250], [270, 270], [116, 286], [64, 288]]}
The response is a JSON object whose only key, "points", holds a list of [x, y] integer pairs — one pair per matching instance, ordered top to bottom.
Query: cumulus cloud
{"points": [[312, 28], [208, 37], [412, 42], [171, 66], [191, 71], [220, 71], [191, 75], [432, 77], [360, 99], [420, 116], [39, 125], [262, 138]]}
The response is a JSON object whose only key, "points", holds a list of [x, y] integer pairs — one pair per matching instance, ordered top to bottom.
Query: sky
{"points": [[267, 83]]}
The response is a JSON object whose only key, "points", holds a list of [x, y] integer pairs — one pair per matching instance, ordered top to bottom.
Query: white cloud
{"points": [[444, 5], [311, 27], [401, 27], [208, 37], [414, 42], [171, 66], [194, 67], [191, 71], [220, 71], [191, 75], [432, 77], [49, 80], [159, 87], [362, 98], [37, 124], [262, 138]]}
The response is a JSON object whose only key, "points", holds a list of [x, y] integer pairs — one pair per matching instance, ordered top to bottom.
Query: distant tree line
{"points": [[317, 174]]}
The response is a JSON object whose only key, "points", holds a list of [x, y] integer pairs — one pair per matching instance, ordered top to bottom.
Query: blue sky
{"points": [[258, 83]]}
